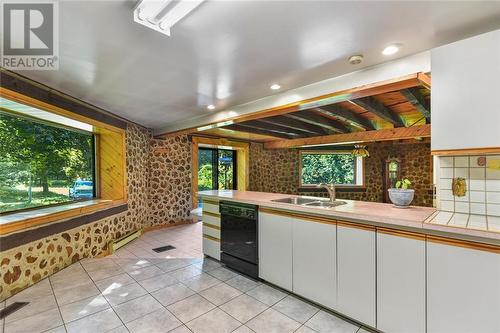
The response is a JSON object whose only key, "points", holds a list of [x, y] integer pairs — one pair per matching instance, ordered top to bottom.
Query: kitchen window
{"points": [[42, 163], [331, 167]]}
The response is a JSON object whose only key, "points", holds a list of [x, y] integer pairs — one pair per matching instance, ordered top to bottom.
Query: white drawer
{"points": [[211, 207], [210, 219], [211, 231], [211, 248]]}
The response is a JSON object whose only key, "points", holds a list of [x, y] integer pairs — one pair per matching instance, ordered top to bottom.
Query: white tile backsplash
{"points": [[482, 174]]}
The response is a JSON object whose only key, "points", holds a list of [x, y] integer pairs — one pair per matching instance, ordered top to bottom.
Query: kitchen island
{"points": [[388, 268]]}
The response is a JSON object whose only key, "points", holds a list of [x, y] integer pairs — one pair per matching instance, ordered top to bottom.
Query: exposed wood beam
{"points": [[404, 82], [414, 96], [370, 104], [334, 110], [318, 120], [295, 124], [273, 127], [248, 129], [422, 131]]}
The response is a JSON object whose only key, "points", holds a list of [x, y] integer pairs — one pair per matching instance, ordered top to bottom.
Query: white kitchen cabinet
{"points": [[465, 85], [211, 229], [275, 249], [314, 261], [400, 283], [463, 289], [356, 290]]}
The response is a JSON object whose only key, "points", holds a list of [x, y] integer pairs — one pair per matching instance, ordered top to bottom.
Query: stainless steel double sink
{"points": [[310, 202]]}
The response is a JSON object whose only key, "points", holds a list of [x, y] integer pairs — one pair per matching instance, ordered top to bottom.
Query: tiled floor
{"points": [[139, 290]]}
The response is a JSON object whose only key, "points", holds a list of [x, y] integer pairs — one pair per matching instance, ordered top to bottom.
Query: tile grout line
{"points": [[101, 294], [57, 302]]}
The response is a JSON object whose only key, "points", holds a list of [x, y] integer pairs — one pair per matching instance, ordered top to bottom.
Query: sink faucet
{"points": [[331, 190]]}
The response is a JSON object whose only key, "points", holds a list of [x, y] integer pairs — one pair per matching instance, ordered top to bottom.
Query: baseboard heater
{"points": [[115, 244]]}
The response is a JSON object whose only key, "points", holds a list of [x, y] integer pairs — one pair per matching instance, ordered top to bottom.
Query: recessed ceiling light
{"points": [[391, 49], [356, 59], [275, 86], [211, 107]]}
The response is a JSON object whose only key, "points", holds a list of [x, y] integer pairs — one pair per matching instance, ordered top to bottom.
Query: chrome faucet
{"points": [[331, 190]]}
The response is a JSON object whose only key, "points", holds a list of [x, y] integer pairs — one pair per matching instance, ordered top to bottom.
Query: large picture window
{"points": [[42, 163], [330, 167]]}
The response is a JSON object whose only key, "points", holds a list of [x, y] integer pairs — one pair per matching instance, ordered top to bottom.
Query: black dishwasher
{"points": [[239, 237]]}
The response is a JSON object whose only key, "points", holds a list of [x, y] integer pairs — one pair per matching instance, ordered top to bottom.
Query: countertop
{"points": [[414, 218]]}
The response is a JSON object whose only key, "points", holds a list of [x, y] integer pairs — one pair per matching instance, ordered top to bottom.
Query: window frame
{"points": [[93, 137], [109, 141], [359, 166]]}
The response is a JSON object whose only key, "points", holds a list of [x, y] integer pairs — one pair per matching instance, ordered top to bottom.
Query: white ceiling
{"points": [[229, 52]]}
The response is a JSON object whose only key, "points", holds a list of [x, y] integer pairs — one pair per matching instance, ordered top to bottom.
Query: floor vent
{"points": [[115, 244], [164, 248], [11, 309]]}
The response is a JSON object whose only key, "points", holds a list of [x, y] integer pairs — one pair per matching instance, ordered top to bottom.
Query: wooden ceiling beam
{"points": [[407, 81], [414, 96], [370, 104], [336, 111], [318, 120], [295, 124], [276, 128], [250, 129], [422, 131]]}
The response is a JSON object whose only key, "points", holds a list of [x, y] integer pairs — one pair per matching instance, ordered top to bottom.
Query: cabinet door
{"points": [[275, 249], [314, 261], [356, 273], [400, 283], [463, 289]]}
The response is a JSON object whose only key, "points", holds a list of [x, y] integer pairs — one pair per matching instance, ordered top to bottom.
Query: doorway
{"points": [[217, 169]]}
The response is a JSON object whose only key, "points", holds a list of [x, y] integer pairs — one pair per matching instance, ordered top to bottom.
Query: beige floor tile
{"points": [[145, 273], [186, 273], [223, 273], [114, 282], [158, 282], [201, 282], [242, 283], [125, 293], [220, 293], [72, 294], [172, 294], [267, 294], [36, 305], [84, 307], [137, 308], [190, 308], [244, 308], [296, 309], [159, 321], [214, 321], [273, 321], [39, 322], [98, 322], [327, 322]]}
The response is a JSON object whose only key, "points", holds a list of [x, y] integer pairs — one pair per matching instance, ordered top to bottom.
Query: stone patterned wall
{"points": [[278, 171], [170, 180], [159, 192]]}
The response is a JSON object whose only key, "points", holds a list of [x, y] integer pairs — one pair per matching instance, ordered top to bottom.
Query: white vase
{"points": [[401, 198]]}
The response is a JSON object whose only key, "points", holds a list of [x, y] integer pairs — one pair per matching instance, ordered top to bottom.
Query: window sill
{"points": [[339, 189], [37, 217]]}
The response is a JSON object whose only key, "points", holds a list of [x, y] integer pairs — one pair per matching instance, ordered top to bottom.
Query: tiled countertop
{"points": [[418, 219]]}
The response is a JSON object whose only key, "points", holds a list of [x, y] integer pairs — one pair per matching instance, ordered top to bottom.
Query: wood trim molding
{"points": [[407, 81], [420, 131], [467, 151], [210, 201], [211, 214], [298, 215], [36, 220], [170, 225], [213, 226], [356, 226], [400, 233], [211, 238], [15, 239], [464, 244]]}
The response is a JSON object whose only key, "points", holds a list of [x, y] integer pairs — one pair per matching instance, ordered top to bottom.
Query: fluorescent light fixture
{"points": [[163, 15], [390, 50], [275, 86], [211, 126]]}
